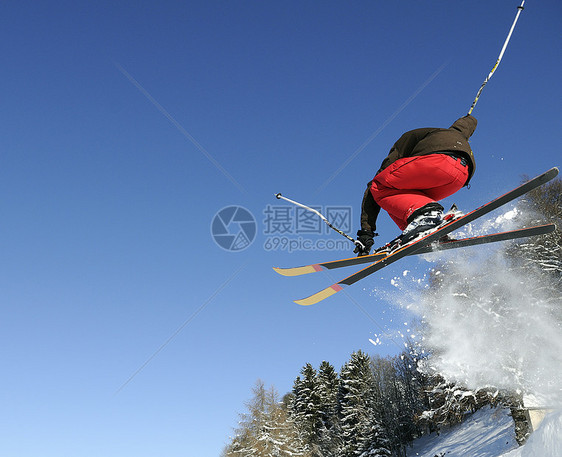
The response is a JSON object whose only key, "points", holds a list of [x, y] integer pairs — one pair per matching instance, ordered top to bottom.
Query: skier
{"points": [[423, 166]]}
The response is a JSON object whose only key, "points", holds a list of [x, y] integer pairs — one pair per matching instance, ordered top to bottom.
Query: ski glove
{"points": [[365, 237]]}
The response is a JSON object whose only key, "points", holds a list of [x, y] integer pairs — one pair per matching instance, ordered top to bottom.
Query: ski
{"points": [[431, 237], [492, 238], [440, 245]]}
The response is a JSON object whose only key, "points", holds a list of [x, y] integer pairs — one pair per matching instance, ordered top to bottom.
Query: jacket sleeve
{"points": [[466, 125], [369, 211]]}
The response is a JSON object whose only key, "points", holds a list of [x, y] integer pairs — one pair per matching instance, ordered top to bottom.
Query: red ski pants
{"points": [[412, 182]]}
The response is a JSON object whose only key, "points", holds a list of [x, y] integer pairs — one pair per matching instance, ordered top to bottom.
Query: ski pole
{"points": [[519, 9], [321, 216]]}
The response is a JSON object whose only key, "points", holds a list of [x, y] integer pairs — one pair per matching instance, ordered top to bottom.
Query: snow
{"points": [[507, 216], [506, 221], [500, 313], [492, 327], [520, 337], [376, 341], [534, 400], [487, 433], [490, 433], [547, 440]]}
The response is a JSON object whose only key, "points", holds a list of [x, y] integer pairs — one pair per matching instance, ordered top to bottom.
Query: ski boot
{"points": [[422, 220]]}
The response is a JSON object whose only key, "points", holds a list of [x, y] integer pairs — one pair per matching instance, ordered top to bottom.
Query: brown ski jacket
{"points": [[425, 141], [418, 142]]}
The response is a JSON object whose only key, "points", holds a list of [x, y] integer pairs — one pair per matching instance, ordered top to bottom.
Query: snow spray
{"points": [[489, 325]]}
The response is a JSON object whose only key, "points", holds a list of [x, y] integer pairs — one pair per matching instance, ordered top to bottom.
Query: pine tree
{"points": [[328, 385], [414, 399], [393, 400], [305, 409], [265, 430], [362, 434]]}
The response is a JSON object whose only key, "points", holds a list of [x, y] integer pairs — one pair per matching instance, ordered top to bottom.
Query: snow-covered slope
{"points": [[487, 433], [490, 433], [545, 442]]}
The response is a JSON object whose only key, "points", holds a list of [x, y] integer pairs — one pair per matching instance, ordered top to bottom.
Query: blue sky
{"points": [[127, 126]]}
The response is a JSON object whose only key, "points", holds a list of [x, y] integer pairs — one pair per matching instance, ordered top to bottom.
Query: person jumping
{"points": [[425, 165]]}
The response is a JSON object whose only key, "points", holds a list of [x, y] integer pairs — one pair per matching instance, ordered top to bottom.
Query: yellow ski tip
{"points": [[297, 271], [319, 296]]}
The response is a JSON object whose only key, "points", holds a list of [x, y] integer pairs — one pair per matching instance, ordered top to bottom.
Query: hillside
{"points": [[490, 433]]}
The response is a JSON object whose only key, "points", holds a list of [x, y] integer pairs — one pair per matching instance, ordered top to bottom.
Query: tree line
{"points": [[372, 407]]}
